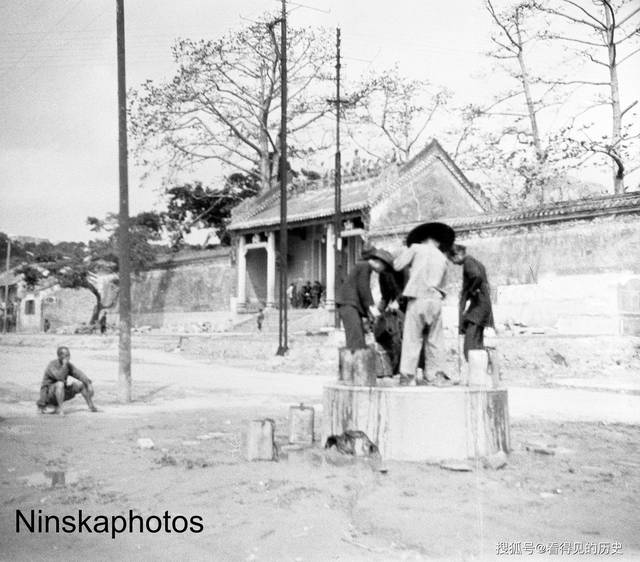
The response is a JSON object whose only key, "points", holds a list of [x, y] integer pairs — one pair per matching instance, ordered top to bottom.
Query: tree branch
{"points": [[588, 14], [628, 56], [628, 108]]}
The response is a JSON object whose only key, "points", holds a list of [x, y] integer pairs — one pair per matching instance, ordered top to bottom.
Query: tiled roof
{"points": [[318, 199], [309, 204], [556, 212]]}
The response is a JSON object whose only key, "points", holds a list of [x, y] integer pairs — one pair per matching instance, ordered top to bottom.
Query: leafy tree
{"points": [[223, 103], [192, 205], [75, 265]]}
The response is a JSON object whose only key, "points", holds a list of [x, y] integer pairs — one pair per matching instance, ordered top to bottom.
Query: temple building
{"points": [[428, 186]]}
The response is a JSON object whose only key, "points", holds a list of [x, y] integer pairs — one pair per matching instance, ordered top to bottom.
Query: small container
{"points": [[301, 424]]}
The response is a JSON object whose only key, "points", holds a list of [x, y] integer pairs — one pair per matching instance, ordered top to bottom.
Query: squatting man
{"points": [[55, 390]]}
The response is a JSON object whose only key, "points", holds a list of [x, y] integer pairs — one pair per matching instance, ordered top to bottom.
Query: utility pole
{"points": [[337, 229], [124, 266], [5, 318], [283, 346]]}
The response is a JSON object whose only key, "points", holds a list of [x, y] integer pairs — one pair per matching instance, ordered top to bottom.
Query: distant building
{"points": [[428, 186], [12, 282]]}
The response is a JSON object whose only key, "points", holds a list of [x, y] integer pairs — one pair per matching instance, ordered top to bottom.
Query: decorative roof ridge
{"points": [[432, 151], [562, 210]]}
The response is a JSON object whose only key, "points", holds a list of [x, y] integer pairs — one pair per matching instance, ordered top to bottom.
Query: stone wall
{"points": [[573, 276], [190, 287], [62, 307], [65, 307]]}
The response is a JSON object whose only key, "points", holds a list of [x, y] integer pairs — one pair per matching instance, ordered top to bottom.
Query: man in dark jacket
{"points": [[354, 298], [475, 312], [55, 389]]}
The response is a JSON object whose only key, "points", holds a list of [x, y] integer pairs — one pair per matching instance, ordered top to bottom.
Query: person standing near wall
{"points": [[424, 290], [354, 299], [474, 309], [103, 323], [388, 326]]}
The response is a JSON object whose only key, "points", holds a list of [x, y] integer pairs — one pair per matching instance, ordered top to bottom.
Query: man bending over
{"points": [[55, 389]]}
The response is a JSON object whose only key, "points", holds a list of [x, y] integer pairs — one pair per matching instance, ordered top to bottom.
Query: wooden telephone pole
{"points": [[337, 228], [124, 266], [5, 317], [283, 345]]}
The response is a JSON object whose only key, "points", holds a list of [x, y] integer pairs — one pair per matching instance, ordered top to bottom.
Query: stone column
{"points": [[331, 269], [271, 270], [242, 274]]}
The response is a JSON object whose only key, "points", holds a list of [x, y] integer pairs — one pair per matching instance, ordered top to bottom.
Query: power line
{"points": [[26, 53], [41, 65]]}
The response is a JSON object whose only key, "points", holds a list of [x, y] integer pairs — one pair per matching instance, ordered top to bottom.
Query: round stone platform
{"points": [[423, 423]]}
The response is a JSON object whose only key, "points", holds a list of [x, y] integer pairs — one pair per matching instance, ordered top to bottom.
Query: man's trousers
{"points": [[353, 328], [422, 330], [473, 338]]}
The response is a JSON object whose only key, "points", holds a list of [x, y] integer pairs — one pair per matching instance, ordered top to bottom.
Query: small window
{"points": [[30, 307]]}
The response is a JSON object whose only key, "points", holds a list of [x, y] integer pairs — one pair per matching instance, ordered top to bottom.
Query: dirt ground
{"points": [[309, 506]]}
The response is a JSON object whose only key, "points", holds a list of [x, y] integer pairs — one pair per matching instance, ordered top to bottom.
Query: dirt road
{"points": [[308, 507]]}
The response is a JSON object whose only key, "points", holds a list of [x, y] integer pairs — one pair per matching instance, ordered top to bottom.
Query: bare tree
{"points": [[515, 28], [605, 34], [223, 104], [400, 108]]}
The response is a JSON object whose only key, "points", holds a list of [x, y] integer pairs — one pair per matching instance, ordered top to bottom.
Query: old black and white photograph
{"points": [[319, 280]]}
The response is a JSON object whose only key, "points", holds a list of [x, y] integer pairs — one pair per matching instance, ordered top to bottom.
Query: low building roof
{"points": [[316, 200], [313, 203]]}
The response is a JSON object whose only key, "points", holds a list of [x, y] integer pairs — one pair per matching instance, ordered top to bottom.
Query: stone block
{"points": [[359, 367], [259, 440]]}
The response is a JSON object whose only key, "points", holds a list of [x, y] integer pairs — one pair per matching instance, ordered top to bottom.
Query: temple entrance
{"points": [[256, 281]]}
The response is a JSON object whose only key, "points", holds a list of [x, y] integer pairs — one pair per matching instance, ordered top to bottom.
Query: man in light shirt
{"points": [[423, 319]]}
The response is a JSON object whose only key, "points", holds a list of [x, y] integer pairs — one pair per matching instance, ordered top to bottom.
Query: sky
{"points": [[58, 117]]}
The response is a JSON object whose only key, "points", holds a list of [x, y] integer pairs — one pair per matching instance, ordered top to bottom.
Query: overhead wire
{"points": [[46, 34], [40, 66]]}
